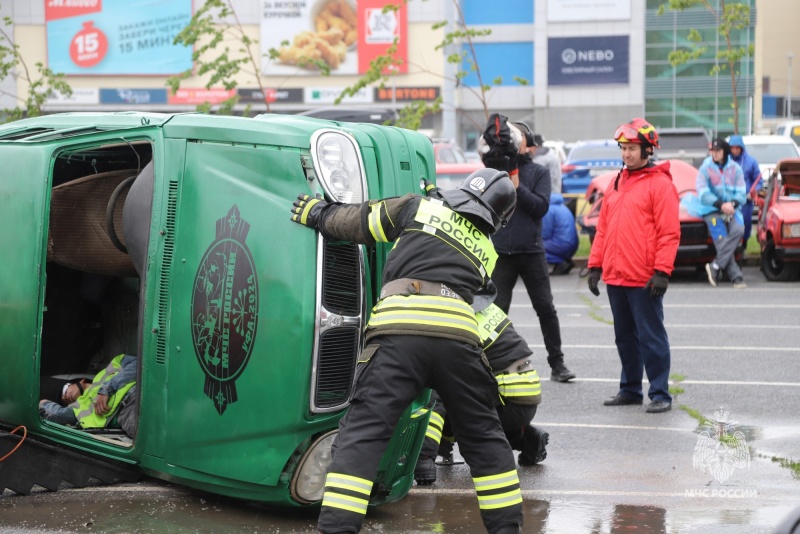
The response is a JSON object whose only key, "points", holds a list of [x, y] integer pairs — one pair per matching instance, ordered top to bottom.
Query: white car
{"points": [[789, 129], [768, 150]]}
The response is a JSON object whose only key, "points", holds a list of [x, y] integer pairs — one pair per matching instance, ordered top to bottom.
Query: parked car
{"points": [[789, 129], [686, 144], [768, 150], [446, 152], [586, 160], [450, 175], [779, 223], [168, 237], [696, 246]]}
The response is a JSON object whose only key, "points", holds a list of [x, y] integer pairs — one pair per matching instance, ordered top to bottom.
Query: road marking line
{"points": [[677, 306], [673, 325], [682, 347], [700, 382], [618, 427], [606, 493]]}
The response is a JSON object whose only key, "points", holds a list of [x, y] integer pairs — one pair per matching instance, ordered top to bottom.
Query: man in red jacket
{"points": [[634, 252]]}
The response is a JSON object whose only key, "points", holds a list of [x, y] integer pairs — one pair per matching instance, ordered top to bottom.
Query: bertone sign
{"points": [[587, 60]]}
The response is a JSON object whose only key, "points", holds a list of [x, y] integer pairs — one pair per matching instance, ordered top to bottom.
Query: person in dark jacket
{"points": [[752, 176], [560, 235], [634, 253], [521, 255], [422, 333]]}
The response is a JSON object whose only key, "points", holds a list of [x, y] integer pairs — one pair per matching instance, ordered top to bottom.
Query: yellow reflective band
{"points": [[307, 209], [433, 214], [375, 226], [426, 301], [426, 318], [525, 384], [419, 413], [437, 419], [434, 434], [509, 478], [337, 480], [501, 500], [345, 502]]}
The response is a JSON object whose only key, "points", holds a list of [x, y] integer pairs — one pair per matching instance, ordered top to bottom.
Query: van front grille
{"points": [[341, 278], [338, 351]]}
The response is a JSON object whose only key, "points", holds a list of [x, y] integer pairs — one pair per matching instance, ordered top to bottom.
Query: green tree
{"points": [[730, 16], [208, 32], [466, 62], [42, 82]]}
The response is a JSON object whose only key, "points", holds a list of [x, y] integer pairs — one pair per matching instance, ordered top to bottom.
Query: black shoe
{"points": [[563, 268], [713, 274], [560, 373], [620, 400], [658, 407], [533, 447], [425, 471]]}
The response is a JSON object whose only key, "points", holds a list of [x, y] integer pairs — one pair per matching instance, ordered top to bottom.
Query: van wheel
{"points": [[775, 269]]}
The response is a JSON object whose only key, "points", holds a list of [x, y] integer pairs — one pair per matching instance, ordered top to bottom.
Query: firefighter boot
{"points": [[533, 447], [425, 471]]}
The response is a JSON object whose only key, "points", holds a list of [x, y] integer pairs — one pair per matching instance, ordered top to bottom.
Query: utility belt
{"points": [[410, 286], [519, 383]]}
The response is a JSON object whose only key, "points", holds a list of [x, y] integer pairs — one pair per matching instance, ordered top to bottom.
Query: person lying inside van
{"points": [[98, 404]]}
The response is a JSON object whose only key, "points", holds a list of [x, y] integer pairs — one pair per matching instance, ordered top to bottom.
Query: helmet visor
{"points": [[627, 134]]}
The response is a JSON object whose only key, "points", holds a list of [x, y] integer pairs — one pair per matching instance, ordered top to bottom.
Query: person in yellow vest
{"points": [[520, 393], [98, 404]]}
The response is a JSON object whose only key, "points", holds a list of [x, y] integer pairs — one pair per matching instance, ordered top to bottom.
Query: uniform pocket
{"points": [[364, 359]]}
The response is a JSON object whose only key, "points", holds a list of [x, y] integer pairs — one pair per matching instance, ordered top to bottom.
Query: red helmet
{"points": [[638, 131]]}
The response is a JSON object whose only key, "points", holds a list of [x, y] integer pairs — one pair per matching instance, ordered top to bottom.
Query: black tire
{"points": [[775, 269]]}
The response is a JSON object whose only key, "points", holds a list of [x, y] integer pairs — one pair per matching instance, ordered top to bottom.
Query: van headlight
{"points": [[338, 165], [308, 483]]}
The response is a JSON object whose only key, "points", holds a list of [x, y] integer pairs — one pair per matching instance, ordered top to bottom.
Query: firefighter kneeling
{"points": [[423, 334], [519, 389]]}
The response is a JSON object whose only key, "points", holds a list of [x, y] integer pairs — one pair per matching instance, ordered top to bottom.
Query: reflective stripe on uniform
{"points": [[438, 220], [375, 224], [424, 310], [526, 384], [435, 426], [498, 491], [334, 497]]}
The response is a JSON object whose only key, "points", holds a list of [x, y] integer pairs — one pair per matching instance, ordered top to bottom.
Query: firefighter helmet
{"points": [[638, 131], [487, 194]]}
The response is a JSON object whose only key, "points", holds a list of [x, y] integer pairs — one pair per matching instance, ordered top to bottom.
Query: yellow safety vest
{"points": [[84, 405]]}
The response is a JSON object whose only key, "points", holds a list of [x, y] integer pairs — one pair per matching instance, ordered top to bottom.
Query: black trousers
{"points": [[532, 268], [399, 369], [514, 418]]}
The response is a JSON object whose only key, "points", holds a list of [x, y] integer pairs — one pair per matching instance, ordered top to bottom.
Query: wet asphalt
{"points": [[608, 469]]}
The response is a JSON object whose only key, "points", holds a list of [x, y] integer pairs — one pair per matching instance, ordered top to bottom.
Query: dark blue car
{"points": [[586, 160]]}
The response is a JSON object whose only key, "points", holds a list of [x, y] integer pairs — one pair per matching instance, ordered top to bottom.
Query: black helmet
{"points": [[487, 194]]}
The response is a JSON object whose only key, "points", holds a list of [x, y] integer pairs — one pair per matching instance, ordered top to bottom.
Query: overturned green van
{"points": [[168, 237]]}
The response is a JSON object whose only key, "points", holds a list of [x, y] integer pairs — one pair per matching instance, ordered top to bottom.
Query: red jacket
{"points": [[638, 231]]}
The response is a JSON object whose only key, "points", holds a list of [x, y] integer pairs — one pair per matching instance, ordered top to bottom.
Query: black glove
{"points": [[306, 210], [594, 278], [658, 284]]}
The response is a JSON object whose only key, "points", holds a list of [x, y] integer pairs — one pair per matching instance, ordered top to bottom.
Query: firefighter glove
{"points": [[307, 209], [594, 278], [658, 284]]}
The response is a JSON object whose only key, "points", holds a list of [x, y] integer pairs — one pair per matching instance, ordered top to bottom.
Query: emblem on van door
{"points": [[225, 309]]}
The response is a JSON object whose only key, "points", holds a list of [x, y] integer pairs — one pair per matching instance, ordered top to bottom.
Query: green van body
{"points": [[247, 326]]}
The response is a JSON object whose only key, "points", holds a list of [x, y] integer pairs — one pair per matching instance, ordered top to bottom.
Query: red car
{"points": [[450, 175], [779, 222], [696, 247]]}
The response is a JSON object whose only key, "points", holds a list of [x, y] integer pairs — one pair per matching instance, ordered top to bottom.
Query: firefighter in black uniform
{"points": [[423, 334], [519, 388]]}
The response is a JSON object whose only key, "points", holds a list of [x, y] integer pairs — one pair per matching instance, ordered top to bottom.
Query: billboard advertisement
{"points": [[592, 10], [343, 35], [117, 37], [587, 60]]}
